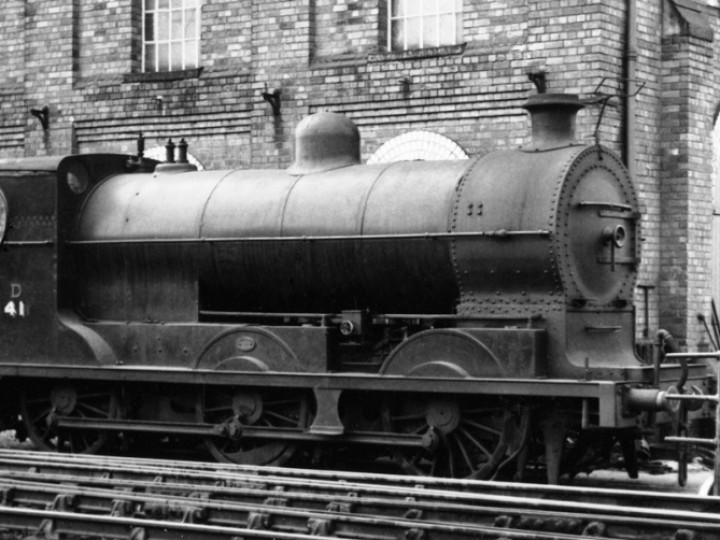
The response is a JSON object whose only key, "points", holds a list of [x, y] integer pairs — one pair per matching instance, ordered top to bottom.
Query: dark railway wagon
{"points": [[450, 314]]}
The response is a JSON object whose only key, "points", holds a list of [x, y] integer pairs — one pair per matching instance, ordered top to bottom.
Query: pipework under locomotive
{"points": [[446, 313]]}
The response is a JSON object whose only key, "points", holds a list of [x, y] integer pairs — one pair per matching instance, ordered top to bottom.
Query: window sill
{"points": [[415, 54], [162, 76]]}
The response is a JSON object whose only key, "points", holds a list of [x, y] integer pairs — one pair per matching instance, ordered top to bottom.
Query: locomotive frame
{"points": [[499, 333]]}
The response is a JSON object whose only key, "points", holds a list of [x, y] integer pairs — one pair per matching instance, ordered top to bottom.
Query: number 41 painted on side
{"points": [[15, 307], [13, 311]]}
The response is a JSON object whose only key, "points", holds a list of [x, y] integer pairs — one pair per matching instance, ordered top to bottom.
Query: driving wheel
{"points": [[41, 405], [471, 437]]}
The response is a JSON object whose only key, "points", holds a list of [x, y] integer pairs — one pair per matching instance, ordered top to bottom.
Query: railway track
{"points": [[55, 495]]}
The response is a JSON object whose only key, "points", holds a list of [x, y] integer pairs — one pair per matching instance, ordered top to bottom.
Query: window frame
{"points": [[156, 9], [456, 11]]}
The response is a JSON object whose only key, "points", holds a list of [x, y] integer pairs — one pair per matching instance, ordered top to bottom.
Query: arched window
{"points": [[418, 145]]}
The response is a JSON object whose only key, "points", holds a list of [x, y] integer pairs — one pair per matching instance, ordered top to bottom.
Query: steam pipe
{"points": [[630, 150], [666, 344], [653, 399]]}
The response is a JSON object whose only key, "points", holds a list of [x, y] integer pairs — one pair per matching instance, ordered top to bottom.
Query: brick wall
{"points": [[12, 25], [346, 28], [226, 29], [103, 43], [322, 55], [82, 60], [49, 71], [12, 89], [686, 183]]}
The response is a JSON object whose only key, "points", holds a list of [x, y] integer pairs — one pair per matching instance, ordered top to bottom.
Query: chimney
{"points": [[553, 120]]}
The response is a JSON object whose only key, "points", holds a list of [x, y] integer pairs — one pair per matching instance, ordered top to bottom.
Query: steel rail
{"points": [[214, 474], [399, 500], [447, 508], [354, 517], [53, 523]]}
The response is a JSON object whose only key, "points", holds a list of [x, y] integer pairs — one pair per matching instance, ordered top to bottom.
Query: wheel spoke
{"points": [[220, 408], [482, 412], [99, 413], [40, 416], [282, 418], [482, 427], [420, 429], [475, 442], [464, 453], [451, 460], [433, 466]]}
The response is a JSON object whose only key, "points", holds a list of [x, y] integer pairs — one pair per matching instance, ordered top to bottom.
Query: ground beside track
{"points": [[8, 440], [666, 481]]}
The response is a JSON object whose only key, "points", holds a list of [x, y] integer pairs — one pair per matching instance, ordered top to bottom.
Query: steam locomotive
{"points": [[459, 316]]}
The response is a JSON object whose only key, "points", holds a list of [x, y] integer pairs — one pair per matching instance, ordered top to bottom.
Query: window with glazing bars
{"points": [[418, 24], [171, 34]]}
